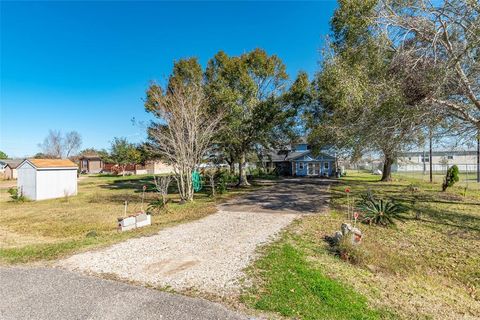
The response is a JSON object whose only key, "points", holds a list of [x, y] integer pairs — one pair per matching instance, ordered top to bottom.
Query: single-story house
{"points": [[300, 161], [90, 164], [10, 168], [40, 179]]}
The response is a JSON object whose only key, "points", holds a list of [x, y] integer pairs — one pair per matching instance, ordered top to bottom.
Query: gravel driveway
{"points": [[208, 255]]}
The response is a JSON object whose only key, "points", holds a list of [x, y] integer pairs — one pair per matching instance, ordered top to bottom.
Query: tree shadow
{"points": [[295, 195], [449, 218]]}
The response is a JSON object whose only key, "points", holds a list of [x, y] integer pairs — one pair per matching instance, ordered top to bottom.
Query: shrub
{"points": [[451, 177], [16, 196], [156, 206], [382, 212], [91, 234], [350, 252]]}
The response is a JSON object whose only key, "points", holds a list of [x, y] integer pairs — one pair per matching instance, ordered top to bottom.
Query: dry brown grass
{"points": [[52, 228], [421, 269]]}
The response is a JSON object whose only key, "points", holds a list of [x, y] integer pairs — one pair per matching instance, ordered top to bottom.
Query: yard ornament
{"points": [[196, 181], [347, 191]]}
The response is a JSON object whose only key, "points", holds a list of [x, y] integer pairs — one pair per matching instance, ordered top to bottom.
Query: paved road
{"points": [[51, 294]]}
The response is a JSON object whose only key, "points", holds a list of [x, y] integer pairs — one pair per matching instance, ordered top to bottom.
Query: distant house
{"points": [[419, 160], [300, 161], [91, 164], [149, 167], [153, 167], [10, 168], [40, 179]]}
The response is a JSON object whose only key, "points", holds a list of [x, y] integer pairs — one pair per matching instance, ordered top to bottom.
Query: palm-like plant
{"points": [[381, 212]]}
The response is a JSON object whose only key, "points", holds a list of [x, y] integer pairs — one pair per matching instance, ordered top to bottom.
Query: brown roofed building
{"points": [[91, 164]]}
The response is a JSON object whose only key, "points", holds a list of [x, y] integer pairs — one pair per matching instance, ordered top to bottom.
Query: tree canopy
{"points": [[250, 90]]}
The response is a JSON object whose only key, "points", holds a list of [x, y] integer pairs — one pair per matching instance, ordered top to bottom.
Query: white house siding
{"points": [[414, 162], [26, 181], [56, 183]]}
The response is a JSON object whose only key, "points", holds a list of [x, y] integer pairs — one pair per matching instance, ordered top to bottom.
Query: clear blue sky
{"points": [[85, 66]]}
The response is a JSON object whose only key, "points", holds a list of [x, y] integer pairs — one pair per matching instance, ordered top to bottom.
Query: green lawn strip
{"points": [[46, 251], [288, 284]]}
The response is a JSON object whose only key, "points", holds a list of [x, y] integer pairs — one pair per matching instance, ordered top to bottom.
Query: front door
{"points": [[317, 168], [310, 169]]}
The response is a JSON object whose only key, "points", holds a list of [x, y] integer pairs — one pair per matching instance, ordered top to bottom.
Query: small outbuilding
{"points": [[91, 163], [10, 169], [40, 179]]}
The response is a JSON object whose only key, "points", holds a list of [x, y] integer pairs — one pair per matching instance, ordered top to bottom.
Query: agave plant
{"points": [[382, 212]]}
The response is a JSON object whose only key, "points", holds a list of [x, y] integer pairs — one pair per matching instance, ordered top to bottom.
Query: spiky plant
{"points": [[381, 212]]}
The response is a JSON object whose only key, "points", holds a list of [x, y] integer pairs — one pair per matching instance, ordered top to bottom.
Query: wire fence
{"points": [[436, 168]]}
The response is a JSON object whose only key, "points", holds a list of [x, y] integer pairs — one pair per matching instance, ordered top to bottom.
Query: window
{"points": [[450, 157], [409, 158], [425, 159], [85, 163], [300, 165], [325, 165]]}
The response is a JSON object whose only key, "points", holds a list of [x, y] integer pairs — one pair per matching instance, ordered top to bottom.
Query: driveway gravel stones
{"points": [[208, 255]]}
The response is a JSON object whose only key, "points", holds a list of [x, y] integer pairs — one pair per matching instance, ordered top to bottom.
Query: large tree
{"points": [[445, 35], [248, 88], [362, 102], [185, 124]]}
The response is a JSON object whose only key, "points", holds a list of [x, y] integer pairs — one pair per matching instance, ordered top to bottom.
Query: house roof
{"points": [[90, 157], [280, 157], [12, 163], [52, 163]]}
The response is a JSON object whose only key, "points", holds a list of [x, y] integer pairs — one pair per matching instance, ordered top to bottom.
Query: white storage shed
{"points": [[40, 179]]}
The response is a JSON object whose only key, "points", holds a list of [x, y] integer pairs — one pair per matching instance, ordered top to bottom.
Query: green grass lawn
{"points": [[43, 230], [425, 268]]}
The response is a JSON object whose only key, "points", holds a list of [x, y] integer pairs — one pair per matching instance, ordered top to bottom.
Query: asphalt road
{"points": [[44, 293]]}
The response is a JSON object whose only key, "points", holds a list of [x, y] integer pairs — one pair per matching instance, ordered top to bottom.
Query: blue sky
{"points": [[85, 66]]}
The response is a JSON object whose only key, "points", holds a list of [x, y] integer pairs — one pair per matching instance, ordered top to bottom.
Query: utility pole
{"points": [[430, 156], [478, 156], [424, 162]]}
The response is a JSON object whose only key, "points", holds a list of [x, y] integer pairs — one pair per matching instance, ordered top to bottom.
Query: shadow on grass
{"points": [[428, 203], [450, 218]]}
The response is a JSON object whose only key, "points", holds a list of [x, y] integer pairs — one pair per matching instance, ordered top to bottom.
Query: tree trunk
{"points": [[232, 167], [387, 169], [242, 176], [185, 185]]}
